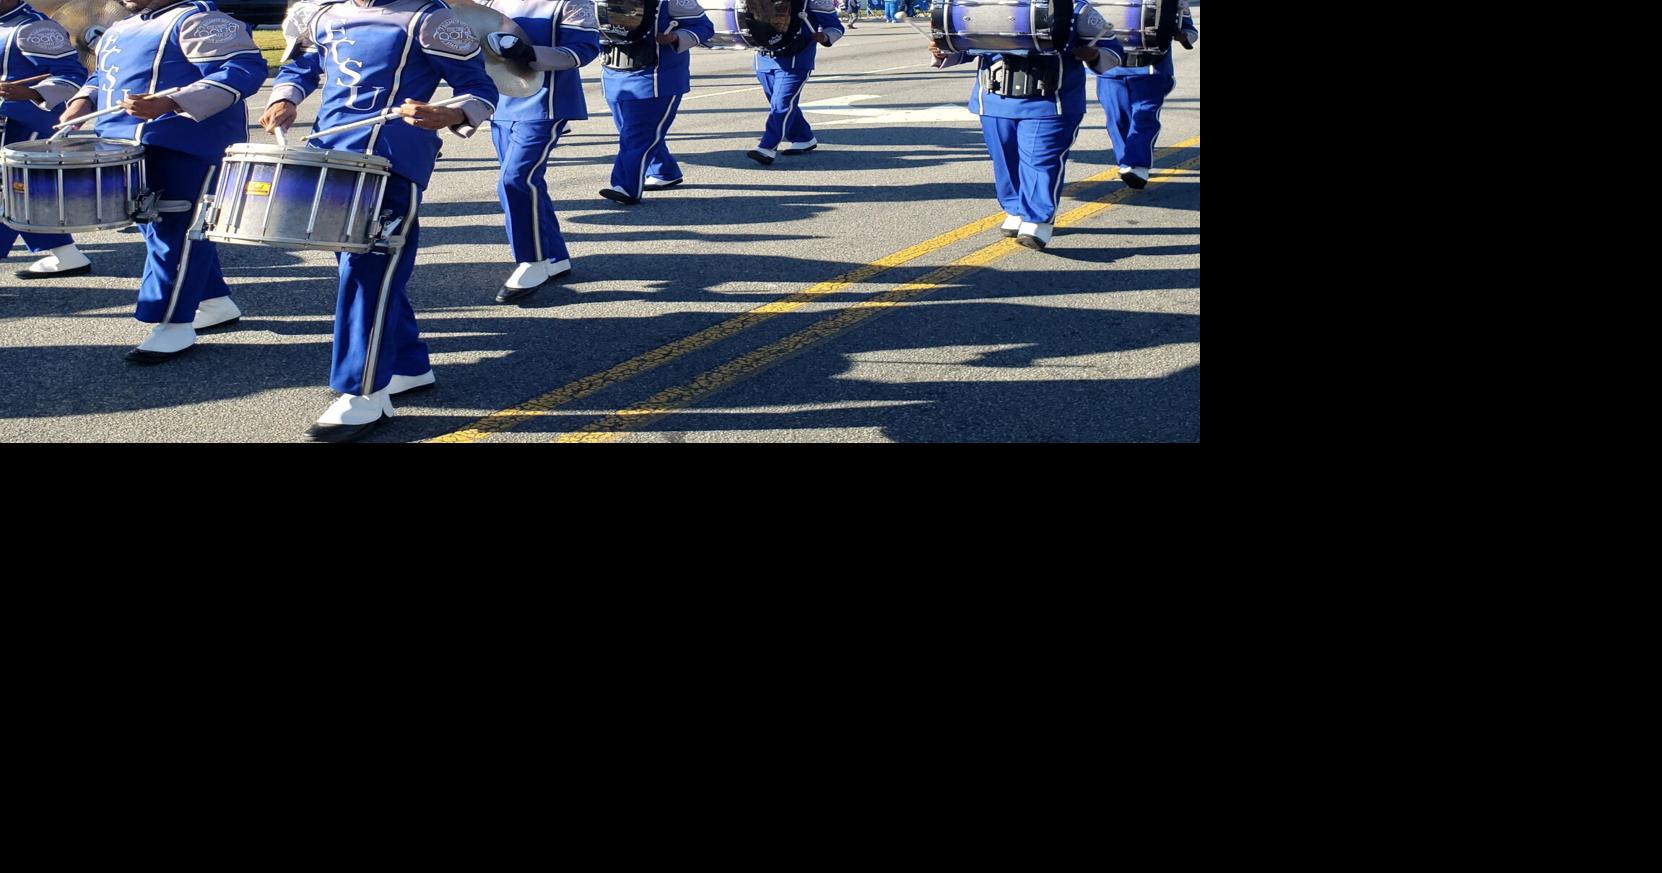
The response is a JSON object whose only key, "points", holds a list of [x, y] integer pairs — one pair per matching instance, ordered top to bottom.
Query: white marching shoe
{"points": [[799, 148], [762, 156], [1136, 177], [658, 183], [1011, 225], [1035, 235], [61, 262], [527, 278], [525, 281], [216, 312], [165, 342], [401, 384], [352, 416]]}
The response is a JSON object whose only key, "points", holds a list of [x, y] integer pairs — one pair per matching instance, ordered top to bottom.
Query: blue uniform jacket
{"points": [[823, 15], [565, 36], [31, 44], [188, 45], [369, 58], [673, 73]]}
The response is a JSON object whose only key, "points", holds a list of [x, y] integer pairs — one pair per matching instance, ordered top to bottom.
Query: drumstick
{"points": [[30, 81], [110, 111], [383, 118], [282, 138]]}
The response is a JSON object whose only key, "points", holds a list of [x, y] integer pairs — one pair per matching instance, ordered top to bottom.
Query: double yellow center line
{"points": [[641, 414]]}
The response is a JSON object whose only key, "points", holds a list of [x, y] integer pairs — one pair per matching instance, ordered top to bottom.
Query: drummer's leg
{"points": [[1114, 93], [1147, 96], [797, 130], [1000, 134], [660, 163], [512, 188], [177, 271], [376, 340]]}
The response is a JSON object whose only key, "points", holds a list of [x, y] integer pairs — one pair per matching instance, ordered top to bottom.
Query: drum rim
{"points": [[39, 157], [333, 158], [283, 242]]}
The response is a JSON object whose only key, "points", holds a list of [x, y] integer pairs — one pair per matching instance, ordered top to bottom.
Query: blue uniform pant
{"points": [[1133, 107], [786, 123], [642, 127], [12, 130], [1030, 162], [533, 229], [179, 273], [375, 335]]}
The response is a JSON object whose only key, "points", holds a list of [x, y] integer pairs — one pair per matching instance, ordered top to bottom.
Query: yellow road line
{"points": [[512, 417], [613, 427]]}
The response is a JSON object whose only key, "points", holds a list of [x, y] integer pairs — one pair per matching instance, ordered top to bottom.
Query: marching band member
{"points": [[564, 36], [32, 45], [367, 57], [211, 58], [783, 73], [644, 81], [1132, 93], [1031, 107]]}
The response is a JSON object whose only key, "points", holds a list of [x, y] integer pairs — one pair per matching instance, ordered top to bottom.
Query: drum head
{"points": [[74, 151], [344, 159]]}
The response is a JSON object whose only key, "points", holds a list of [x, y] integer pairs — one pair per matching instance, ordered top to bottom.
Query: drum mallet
{"points": [[383, 118], [69, 126]]}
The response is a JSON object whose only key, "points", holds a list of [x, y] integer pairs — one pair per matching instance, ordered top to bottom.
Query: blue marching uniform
{"points": [[31, 44], [212, 58], [367, 58], [784, 76], [1132, 94], [644, 101], [1029, 128], [525, 130]]}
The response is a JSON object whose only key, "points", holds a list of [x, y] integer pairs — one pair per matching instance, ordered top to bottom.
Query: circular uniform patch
{"points": [[220, 31], [456, 35], [46, 39]]}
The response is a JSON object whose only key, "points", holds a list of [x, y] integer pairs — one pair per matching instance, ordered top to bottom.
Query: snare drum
{"points": [[1000, 26], [75, 185], [297, 198]]}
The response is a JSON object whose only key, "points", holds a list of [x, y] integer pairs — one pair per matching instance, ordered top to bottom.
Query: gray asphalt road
{"points": [[1097, 338]]}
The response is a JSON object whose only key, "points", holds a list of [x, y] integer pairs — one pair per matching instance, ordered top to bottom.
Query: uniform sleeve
{"points": [[824, 15], [690, 20], [1092, 28], [1189, 28], [576, 39], [46, 44], [453, 48], [224, 52], [952, 60], [303, 73]]}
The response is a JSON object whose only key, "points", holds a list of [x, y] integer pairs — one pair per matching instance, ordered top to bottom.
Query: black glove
{"points": [[511, 48]]}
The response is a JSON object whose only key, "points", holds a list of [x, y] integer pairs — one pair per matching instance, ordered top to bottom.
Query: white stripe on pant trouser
{"points": [[662, 123], [1062, 171], [536, 214], [184, 255], [393, 256]]}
